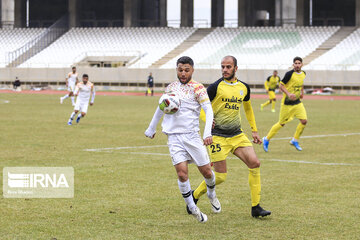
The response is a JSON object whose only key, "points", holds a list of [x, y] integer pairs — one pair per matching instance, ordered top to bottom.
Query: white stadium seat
{"points": [[12, 39], [149, 43], [257, 47], [344, 56]]}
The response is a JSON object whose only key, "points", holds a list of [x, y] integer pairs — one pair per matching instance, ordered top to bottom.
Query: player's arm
{"points": [[67, 79], [266, 84], [282, 87], [77, 89], [284, 90], [302, 92], [92, 95], [202, 98], [249, 112], [209, 118], [151, 130]]}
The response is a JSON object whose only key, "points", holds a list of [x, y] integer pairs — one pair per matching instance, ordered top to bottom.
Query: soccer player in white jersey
{"points": [[71, 81], [83, 90], [184, 141]]}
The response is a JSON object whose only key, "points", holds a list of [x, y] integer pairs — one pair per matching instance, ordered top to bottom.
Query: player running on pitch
{"points": [[71, 81], [270, 85], [292, 87], [83, 90], [227, 95], [184, 141]]}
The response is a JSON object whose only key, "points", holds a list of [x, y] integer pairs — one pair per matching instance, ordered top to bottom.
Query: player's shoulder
{"points": [[303, 72], [289, 73], [91, 83], [216, 83], [243, 83], [195, 84], [171, 86]]}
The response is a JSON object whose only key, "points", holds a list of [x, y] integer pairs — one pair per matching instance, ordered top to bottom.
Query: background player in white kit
{"points": [[71, 81], [83, 90], [184, 141]]}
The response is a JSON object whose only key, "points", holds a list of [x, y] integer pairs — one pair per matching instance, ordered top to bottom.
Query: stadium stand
{"points": [[12, 39], [147, 44], [257, 47], [344, 56]]}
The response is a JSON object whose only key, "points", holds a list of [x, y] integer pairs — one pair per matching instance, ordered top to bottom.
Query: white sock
{"points": [[65, 97], [73, 100], [72, 116], [79, 116], [294, 140], [210, 184], [185, 190]]}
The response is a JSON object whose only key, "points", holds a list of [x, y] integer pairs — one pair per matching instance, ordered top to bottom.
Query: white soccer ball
{"points": [[169, 103]]}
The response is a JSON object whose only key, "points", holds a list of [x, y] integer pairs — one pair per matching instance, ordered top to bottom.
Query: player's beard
{"points": [[231, 76], [187, 80]]}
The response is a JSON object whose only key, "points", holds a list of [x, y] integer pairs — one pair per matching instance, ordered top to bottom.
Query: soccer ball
{"points": [[169, 103]]}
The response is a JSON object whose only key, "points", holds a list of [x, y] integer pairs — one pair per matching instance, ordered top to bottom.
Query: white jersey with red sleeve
{"points": [[193, 96]]}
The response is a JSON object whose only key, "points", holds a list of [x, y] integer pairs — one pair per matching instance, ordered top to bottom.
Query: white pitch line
{"points": [[320, 136], [158, 146], [119, 148], [262, 159]]}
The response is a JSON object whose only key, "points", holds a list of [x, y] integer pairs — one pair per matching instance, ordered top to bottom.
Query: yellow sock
{"points": [[266, 103], [273, 105], [274, 129], [299, 130], [255, 186], [201, 189]]}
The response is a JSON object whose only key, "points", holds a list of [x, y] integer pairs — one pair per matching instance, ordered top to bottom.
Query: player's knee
{"points": [[76, 111], [83, 114], [303, 121], [255, 163], [207, 173], [182, 175]]}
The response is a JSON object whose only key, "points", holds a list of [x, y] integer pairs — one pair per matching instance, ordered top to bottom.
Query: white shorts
{"points": [[71, 86], [81, 106], [188, 147]]}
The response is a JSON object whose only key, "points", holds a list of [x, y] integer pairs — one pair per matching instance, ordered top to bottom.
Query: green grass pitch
{"points": [[132, 193]]}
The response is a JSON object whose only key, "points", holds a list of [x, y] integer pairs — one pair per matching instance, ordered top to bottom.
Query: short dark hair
{"points": [[233, 58], [297, 58], [185, 60], [73, 67], [85, 75]]}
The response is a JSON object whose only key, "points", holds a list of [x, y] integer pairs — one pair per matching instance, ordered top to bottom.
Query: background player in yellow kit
{"points": [[271, 84], [292, 87], [226, 96]]}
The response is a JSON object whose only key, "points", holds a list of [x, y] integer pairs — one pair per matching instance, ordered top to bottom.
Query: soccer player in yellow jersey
{"points": [[271, 84], [292, 87], [226, 96]]}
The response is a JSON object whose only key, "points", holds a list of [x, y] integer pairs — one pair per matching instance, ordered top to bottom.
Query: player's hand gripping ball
{"points": [[169, 103]]}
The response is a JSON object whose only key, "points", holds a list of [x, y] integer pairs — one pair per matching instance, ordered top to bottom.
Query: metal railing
{"points": [[40, 42]]}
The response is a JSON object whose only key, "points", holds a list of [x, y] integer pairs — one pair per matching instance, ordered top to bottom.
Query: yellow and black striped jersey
{"points": [[293, 81], [272, 82], [226, 99]]}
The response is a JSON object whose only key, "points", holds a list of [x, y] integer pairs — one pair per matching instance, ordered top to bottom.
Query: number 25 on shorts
{"points": [[215, 148]]}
